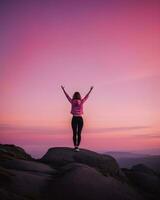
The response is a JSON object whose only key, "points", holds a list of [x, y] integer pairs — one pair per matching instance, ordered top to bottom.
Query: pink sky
{"points": [[112, 45]]}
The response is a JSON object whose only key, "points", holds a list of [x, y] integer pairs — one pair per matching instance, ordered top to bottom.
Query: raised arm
{"points": [[87, 95], [68, 97]]}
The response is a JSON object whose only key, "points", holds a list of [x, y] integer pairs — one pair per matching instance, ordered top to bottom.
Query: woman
{"points": [[77, 111]]}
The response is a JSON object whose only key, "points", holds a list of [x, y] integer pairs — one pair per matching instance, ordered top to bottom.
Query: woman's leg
{"points": [[80, 126], [74, 129]]}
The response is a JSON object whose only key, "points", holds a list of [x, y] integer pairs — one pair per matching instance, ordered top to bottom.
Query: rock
{"points": [[8, 151], [60, 156], [25, 165], [143, 168], [65, 174], [5, 176], [21, 176], [145, 179], [80, 181], [29, 184], [8, 195]]}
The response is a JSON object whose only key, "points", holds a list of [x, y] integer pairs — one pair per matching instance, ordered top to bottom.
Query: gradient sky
{"points": [[112, 45]]}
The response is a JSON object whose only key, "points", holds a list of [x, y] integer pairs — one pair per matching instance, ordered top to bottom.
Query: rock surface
{"points": [[10, 151], [60, 156], [26, 165], [65, 174], [145, 179], [80, 181]]}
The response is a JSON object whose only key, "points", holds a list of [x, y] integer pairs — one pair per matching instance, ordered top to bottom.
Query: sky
{"points": [[111, 45]]}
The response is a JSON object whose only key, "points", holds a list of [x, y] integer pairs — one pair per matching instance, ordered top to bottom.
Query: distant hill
{"points": [[123, 154], [128, 159], [151, 161]]}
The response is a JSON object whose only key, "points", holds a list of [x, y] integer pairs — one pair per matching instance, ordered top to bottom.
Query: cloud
{"points": [[30, 129], [116, 129], [53, 130], [148, 135]]}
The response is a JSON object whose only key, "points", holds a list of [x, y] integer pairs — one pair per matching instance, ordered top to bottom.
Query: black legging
{"points": [[77, 125]]}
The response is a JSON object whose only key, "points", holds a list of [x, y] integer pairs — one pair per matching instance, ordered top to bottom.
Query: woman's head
{"points": [[76, 95]]}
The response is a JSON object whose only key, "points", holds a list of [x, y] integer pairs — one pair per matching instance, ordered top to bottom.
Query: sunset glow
{"points": [[112, 45]]}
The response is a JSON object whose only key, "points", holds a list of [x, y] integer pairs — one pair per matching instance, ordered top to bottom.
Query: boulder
{"points": [[9, 151], [60, 156], [25, 165], [143, 168], [144, 178], [80, 181]]}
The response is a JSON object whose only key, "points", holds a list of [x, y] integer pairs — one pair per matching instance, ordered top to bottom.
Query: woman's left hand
{"points": [[62, 87]]}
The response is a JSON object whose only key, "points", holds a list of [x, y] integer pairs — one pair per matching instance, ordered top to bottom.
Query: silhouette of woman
{"points": [[77, 111]]}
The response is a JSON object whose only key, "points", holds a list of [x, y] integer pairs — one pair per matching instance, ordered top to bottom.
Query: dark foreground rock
{"points": [[65, 174], [145, 180], [80, 181]]}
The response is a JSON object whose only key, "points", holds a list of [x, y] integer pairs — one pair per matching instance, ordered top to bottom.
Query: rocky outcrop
{"points": [[9, 151], [60, 156], [27, 165], [141, 168], [65, 174], [21, 176], [145, 179], [80, 181]]}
